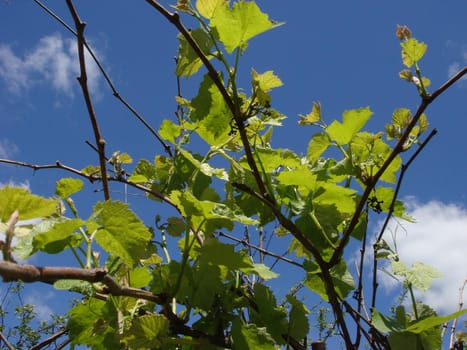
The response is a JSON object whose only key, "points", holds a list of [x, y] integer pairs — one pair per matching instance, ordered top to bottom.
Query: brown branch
{"points": [[174, 18], [106, 76], [100, 142], [398, 148], [92, 178], [389, 215], [9, 234], [325, 270], [48, 274], [50, 339], [7, 343]]}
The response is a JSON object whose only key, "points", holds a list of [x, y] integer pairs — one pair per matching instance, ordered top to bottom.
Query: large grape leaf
{"points": [[28, 205], [121, 232]]}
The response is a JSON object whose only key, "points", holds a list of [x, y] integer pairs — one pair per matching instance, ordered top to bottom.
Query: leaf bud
{"points": [[403, 32]]}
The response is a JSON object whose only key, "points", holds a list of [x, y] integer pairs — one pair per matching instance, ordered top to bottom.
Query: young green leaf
{"points": [[207, 8], [236, 25], [412, 51], [188, 62], [265, 81], [210, 115], [312, 117], [352, 122], [169, 131], [319, 143], [66, 187], [28, 205], [121, 232], [59, 237], [216, 253], [419, 275], [139, 277], [269, 314], [298, 318], [433, 321], [249, 336]]}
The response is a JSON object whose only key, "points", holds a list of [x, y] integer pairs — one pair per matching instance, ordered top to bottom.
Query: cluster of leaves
{"points": [[214, 295], [28, 331]]}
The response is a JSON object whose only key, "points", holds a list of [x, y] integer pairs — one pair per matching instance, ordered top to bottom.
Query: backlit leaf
{"points": [[207, 8], [236, 25], [412, 51], [188, 62], [266, 81], [211, 115], [312, 117], [401, 117], [352, 122], [169, 131], [318, 145], [66, 187], [28, 205], [121, 232], [59, 237], [222, 254], [263, 272], [419, 275], [139, 277], [298, 318], [434, 321], [249, 336]]}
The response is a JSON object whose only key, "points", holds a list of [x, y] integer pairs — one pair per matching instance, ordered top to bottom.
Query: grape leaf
{"points": [[207, 8], [236, 25], [412, 51], [188, 62], [211, 115], [352, 122], [169, 131], [319, 143], [66, 187], [28, 205], [121, 232], [59, 237], [419, 275], [298, 319], [249, 336]]}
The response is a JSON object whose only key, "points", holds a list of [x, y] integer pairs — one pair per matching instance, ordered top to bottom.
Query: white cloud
{"points": [[52, 61], [460, 63], [7, 148], [12, 183], [437, 239], [40, 302]]}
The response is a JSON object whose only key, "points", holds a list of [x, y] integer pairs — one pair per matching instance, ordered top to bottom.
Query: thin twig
{"points": [[174, 18], [106, 76], [100, 142], [398, 148], [404, 168], [261, 250], [325, 271], [454, 323], [50, 339], [7, 343]]}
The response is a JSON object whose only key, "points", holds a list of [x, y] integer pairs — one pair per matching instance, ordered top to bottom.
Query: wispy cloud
{"points": [[52, 61], [461, 61], [7, 148], [25, 184], [437, 239], [41, 302]]}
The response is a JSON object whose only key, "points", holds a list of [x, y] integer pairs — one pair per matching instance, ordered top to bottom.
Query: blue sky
{"points": [[343, 54]]}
